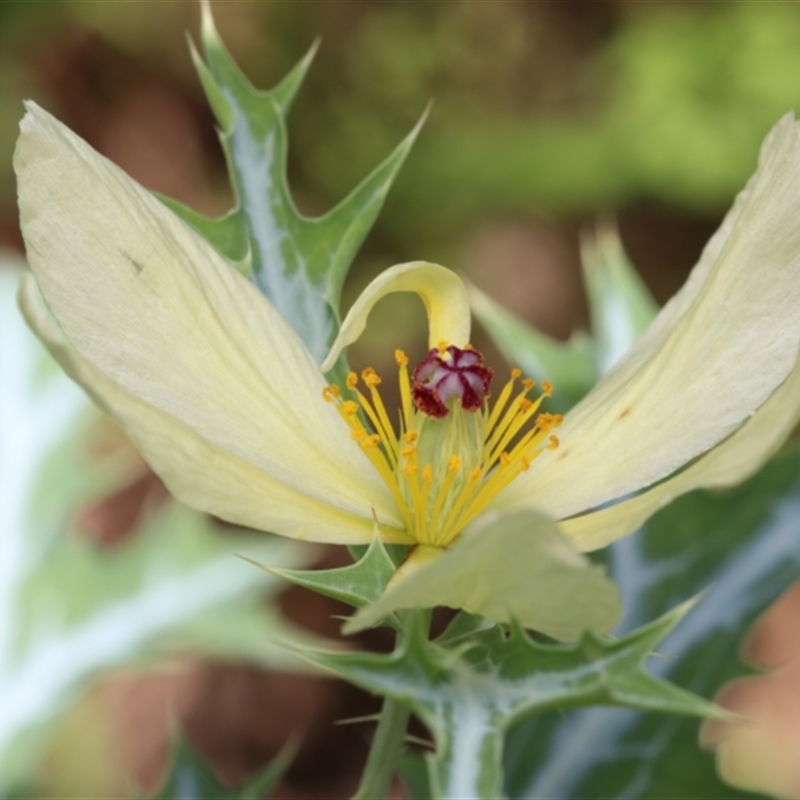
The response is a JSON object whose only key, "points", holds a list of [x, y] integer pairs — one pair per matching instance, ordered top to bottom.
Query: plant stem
{"points": [[391, 731], [385, 751]]}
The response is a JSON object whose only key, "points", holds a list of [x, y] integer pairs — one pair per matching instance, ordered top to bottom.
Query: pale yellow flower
{"points": [[228, 406]]}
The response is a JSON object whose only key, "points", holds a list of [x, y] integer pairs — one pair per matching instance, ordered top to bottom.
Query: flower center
{"points": [[452, 454]]}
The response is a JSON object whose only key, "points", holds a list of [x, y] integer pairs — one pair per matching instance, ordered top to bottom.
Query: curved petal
{"points": [[440, 289], [150, 305], [716, 352], [730, 462], [229, 487], [516, 566]]}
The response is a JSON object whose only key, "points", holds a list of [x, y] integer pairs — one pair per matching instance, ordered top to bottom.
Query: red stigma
{"points": [[448, 374]]}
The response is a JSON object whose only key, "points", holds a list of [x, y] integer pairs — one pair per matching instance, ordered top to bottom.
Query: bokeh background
{"points": [[545, 116]]}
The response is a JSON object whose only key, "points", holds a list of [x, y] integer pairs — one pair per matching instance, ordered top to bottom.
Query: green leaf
{"points": [[300, 263], [620, 305], [569, 365], [743, 544], [517, 566], [357, 584], [69, 609], [470, 696], [191, 779]]}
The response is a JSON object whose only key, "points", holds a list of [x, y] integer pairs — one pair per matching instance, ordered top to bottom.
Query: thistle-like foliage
{"points": [[298, 262], [479, 679]]}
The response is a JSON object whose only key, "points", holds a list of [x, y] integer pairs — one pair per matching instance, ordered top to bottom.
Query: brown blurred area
{"points": [[119, 74], [760, 752]]}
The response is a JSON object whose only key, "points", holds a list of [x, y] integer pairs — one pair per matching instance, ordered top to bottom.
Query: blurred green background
{"points": [[545, 116]]}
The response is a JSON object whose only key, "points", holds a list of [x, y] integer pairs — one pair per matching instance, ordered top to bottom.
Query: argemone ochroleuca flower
{"points": [[228, 406]]}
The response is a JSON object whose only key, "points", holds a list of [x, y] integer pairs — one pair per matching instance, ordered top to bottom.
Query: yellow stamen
{"points": [[370, 377], [331, 393], [501, 402], [406, 406], [468, 457], [453, 468]]}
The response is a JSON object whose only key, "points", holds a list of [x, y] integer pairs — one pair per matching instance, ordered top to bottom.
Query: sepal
{"points": [[516, 565], [357, 584]]}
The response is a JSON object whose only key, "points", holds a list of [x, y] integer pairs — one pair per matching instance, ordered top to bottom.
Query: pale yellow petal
{"points": [[440, 289], [151, 305], [710, 359], [730, 462], [228, 487], [516, 566]]}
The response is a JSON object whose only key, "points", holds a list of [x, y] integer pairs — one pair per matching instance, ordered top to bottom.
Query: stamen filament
{"points": [[405, 385], [501, 403], [513, 424], [453, 468], [452, 523]]}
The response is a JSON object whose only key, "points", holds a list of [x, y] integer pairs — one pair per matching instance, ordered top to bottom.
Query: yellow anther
{"points": [[467, 346], [442, 347], [401, 358], [515, 373], [371, 378], [352, 380], [528, 384], [547, 388], [331, 393], [525, 404], [349, 408], [558, 419], [545, 421], [358, 435], [410, 437], [371, 441], [553, 443], [408, 452], [505, 459], [525, 463], [454, 464], [410, 469], [427, 474], [475, 475]]}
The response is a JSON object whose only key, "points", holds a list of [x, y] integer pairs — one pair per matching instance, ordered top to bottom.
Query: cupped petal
{"points": [[440, 289], [152, 307], [714, 354], [733, 460], [228, 486], [516, 566]]}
